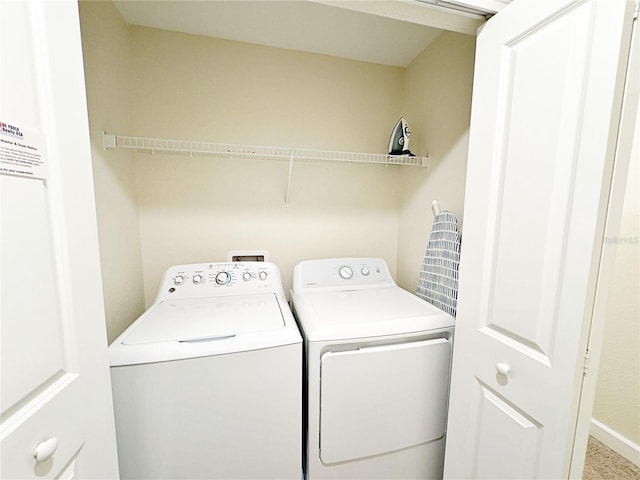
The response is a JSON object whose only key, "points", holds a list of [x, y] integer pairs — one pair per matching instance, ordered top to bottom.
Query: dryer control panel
{"points": [[342, 274], [200, 280]]}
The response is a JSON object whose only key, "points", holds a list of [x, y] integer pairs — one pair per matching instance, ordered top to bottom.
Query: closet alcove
{"points": [[326, 76], [149, 77]]}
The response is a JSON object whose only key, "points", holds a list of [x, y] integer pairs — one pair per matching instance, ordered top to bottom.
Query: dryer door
{"points": [[380, 399]]}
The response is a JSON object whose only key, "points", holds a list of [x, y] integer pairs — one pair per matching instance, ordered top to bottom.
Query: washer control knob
{"points": [[364, 271], [345, 272], [262, 275], [246, 276], [197, 278], [223, 278], [178, 280]]}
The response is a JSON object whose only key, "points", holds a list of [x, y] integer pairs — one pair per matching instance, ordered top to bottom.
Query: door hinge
{"points": [[586, 362]]}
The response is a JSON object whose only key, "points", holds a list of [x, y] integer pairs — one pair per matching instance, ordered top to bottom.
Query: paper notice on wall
{"points": [[22, 151]]}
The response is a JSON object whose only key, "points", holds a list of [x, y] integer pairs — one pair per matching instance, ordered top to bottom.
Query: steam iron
{"points": [[399, 141]]}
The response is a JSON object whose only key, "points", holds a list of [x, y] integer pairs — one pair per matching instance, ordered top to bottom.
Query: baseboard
{"points": [[615, 441]]}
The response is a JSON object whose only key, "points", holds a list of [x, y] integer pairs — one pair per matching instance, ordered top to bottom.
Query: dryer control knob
{"points": [[364, 271], [345, 272], [262, 275], [246, 276], [197, 278], [223, 278], [178, 279]]}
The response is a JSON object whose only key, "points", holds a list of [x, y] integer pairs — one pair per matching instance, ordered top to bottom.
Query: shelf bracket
{"points": [[108, 141], [287, 194]]}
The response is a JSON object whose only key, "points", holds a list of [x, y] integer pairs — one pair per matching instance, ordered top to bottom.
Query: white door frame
{"points": [[605, 274]]}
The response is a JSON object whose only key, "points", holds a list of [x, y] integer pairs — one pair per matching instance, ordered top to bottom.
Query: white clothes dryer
{"points": [[377, 372], [207, 383]]}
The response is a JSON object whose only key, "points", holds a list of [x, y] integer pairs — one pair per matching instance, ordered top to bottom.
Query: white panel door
{"points": [[546, 102], [55, 395]]}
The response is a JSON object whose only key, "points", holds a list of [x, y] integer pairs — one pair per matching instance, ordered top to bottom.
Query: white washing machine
{"points": [[377, 372], [207, 383]]}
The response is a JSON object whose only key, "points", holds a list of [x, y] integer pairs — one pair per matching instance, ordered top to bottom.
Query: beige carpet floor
{"points": [[602, 463]]}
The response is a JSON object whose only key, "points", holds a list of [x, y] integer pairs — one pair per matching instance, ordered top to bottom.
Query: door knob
{"points": [[503, 368], [44, 450]]}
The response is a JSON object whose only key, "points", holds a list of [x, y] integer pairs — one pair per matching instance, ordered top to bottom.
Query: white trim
{"points": [[625, 144], [616, 442]]}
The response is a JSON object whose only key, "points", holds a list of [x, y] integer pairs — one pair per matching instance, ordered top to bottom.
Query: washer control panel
{"points": [[342, 273], [219, 279]]}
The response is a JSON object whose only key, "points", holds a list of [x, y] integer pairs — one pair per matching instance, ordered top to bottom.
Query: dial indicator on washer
{"points": [[345, 272], [223, 278]]}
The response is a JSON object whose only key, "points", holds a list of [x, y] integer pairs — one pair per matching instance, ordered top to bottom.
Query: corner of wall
{"points": [[107, 64], [437, 105], [616, 406]]}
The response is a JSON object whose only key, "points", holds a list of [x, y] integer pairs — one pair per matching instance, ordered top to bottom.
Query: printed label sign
{"points": [[22, 151]]}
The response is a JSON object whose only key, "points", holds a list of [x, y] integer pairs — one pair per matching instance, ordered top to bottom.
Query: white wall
{"points": [[107, 64], [437, 105], [197, 209], [617, 402]]}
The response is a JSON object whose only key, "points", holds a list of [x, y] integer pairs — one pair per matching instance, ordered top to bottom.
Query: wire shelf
{"points": [[230, 150]]}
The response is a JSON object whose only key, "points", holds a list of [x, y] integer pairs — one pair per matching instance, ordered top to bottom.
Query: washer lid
{"points": [[336, 315], [206, 318]]}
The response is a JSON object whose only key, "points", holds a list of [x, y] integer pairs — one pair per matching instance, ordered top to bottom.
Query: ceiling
{"points": [[317, 27]]}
